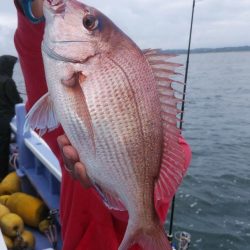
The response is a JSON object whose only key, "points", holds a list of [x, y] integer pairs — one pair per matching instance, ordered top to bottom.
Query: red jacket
{"points": [[86, 222]]}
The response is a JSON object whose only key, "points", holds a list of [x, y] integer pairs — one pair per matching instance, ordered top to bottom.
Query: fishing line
{"points": [[170, 232]]}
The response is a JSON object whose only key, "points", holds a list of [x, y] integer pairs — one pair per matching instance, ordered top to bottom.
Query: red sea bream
{"points": [[116, 105]]}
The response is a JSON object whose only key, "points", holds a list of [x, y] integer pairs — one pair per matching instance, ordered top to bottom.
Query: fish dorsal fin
{"points": [[42, 116], [172, 167], [112, 201]]}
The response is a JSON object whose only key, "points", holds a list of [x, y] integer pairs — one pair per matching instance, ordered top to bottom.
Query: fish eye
{"points": [[90, 22]]}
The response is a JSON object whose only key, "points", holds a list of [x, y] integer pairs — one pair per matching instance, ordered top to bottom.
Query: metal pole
{"points": [[170, 233]]}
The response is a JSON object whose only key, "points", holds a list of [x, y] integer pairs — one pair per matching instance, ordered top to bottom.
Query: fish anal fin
{"points": [[42, 116], [112, 201]]}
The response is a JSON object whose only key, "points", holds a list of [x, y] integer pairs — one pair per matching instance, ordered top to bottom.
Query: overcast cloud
{"points": [[161, 23]]}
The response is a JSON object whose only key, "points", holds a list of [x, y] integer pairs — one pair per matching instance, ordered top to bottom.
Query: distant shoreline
{"points": [[209, 50]]}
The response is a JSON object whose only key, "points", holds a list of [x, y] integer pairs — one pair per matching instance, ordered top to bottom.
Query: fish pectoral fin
{"points": [[72, 80], [84, 112], [42, 116], [110, 200]]}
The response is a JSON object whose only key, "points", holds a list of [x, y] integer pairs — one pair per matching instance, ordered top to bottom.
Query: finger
{"points": [[62, 141], [70, 153], [70, 157], [81, 175]]}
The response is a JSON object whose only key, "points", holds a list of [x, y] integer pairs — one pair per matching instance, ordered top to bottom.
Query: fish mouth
{"points": [[54, 55]]}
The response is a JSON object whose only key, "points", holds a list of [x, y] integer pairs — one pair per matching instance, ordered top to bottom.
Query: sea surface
{"points": [[213, 202]]}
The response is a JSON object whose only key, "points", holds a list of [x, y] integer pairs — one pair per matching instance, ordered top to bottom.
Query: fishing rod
{"points": [[187, 66], [170, 233]]}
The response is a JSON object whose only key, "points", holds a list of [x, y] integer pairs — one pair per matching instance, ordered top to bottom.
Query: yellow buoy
{"points": [[10, 184], [4, 198], [30, 208], [3, 210], [11, 224], [44, 225], [25, 241], [8, 242]]}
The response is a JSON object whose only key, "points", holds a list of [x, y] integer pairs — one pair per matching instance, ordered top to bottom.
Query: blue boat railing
{"points": [[36, 162], [39, 171]]}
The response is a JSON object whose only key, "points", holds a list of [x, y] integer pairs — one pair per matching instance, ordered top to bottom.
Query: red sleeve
{"points": [[27, 40], [86, 222]]}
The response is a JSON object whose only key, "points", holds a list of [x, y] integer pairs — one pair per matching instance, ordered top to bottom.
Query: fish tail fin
{"points": [[151, 237], [154, 239]]}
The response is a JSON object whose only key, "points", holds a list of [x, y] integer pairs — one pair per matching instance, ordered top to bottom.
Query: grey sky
{"points": [[161, 23]]}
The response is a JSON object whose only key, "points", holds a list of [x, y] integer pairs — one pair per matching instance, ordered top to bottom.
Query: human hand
{"points": [[72, 161]]}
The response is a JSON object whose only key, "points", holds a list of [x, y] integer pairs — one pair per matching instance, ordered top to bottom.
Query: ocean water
{"points": [[213, 202]]}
